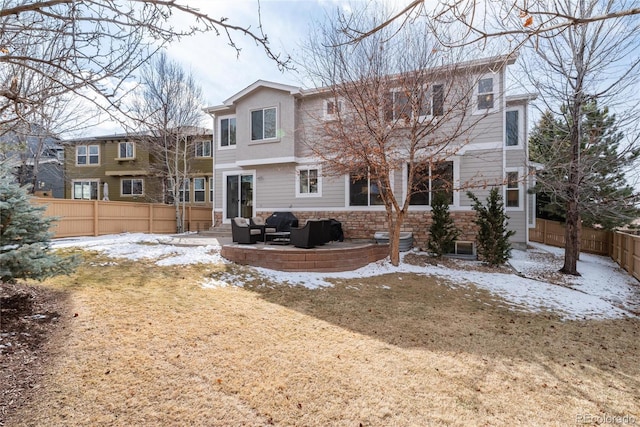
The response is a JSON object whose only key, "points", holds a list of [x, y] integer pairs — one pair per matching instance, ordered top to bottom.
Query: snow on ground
{"points": [[603, 291]]}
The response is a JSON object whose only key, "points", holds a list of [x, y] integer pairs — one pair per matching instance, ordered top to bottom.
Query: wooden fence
{"points": [[95, 217], [623, 248]]}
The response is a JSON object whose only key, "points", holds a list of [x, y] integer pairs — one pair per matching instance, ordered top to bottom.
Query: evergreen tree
{"points": [[605, 197], [442, 232], [25, 237], [493, 237]]}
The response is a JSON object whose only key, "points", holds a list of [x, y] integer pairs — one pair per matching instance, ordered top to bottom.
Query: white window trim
{"points": [[476, 93], [429, 96], [325, 104], [521, 129], [219, 133], [275, 137], [133, 146], [195, 149], [88, 155], [253, 174], [521, 178], [297, 180], [73, 183], [456, 184], [204, 189], [211, 189], [182, 191], [122, 194], [368, 206]]}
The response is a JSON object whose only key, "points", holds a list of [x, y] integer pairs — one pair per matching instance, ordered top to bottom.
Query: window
{"points": [[485, 94], [438, 100], [404, 104], [331, 108], [263, 124], [512, 128], [228, 132], [203, 148], [126, 150], [88, 155], [429, 181], [308, 182], [131, 187], [85, 189], [199, 189], [211, 189], [184, 190], [513, 190], [364, 192]]}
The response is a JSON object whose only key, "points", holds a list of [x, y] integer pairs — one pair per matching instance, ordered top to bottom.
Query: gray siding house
{"points": [[262, 161]]}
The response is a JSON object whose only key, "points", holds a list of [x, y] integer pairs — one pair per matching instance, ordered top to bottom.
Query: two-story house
{"points": [[263, 163], [127, 167]]}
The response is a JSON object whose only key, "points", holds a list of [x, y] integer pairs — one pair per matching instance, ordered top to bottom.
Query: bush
{"points": [[442, 232], [493, 237]]}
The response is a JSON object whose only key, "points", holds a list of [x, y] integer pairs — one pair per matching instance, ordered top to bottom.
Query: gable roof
{"points": [[259, 84]]}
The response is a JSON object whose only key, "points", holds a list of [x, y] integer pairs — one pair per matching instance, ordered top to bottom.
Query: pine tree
{"points": [[606, 199], [442, 232], [25, 236], [493, 237]]}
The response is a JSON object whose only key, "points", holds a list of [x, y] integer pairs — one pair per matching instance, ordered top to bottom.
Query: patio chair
{"points": [[258, 222], [242, 232], [308, 236]]}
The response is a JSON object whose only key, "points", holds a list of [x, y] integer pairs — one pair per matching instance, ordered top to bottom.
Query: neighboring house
{"points": [[37, 159], [261, 164], [123, 166]]}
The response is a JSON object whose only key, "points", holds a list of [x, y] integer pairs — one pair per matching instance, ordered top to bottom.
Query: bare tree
{"points": [[483, 21], [89, 47], [583, 51], [578, 66], [397, 101], [168, 109]]}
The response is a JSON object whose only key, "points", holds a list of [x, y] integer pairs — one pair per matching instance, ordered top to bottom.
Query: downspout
{"points": [[212, 190]]}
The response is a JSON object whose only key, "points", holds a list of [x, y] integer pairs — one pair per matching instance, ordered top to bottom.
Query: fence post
{"points": [[151, 209], [95, 218]]}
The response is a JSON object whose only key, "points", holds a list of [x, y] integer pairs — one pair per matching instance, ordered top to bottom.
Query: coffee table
{"points": [[277, 238]]}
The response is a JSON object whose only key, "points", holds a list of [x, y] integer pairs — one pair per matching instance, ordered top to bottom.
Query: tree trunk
{"points": [[395, 224]]}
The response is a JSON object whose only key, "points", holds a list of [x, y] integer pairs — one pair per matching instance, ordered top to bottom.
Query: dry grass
{"points": [[150, 347]]}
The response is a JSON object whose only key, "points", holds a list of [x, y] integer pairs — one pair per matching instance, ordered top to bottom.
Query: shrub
{"points": [[442, 232], [493, 237]]}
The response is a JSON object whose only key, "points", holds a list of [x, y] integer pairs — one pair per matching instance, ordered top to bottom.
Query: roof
{"points": [[259, 84]]}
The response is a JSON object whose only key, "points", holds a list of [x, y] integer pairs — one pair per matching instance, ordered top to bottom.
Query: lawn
{"points": [[146, 345]]}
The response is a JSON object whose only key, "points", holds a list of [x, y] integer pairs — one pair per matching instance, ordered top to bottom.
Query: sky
{"points": [[217, 67], [604, 291]]}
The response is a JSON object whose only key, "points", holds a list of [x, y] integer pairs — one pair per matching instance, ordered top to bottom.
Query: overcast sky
{"points": [[216, 66]]}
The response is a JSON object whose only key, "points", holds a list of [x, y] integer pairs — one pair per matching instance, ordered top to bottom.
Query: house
{"points": [[36, 158], [263, 163], [122, 167]]}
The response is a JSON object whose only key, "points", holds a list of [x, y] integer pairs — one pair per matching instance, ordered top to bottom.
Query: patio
{"points": [[331, 257]]}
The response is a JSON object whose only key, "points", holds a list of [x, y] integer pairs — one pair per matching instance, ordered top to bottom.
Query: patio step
{"points": [[223, 230]]}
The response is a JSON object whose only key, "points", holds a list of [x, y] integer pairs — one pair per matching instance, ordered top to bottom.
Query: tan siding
{"points": [[479, 171]]}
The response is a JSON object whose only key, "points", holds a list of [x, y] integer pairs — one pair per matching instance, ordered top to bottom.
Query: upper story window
{"points": [[486, 93], [405, 104], [331, 108], [263, 124], [512, 128], [228, 132], [203, 148], [126, 150], [87, 155], [427, 181], [308, 182], [132, 187], [364, 191]]}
